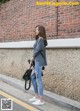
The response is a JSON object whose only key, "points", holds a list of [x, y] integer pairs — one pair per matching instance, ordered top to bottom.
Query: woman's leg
{"points": [[38, 70], [34, 83]]}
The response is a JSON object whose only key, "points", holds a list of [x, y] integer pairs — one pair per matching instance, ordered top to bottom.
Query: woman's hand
{"points": [[32, 58], [31, 62]]}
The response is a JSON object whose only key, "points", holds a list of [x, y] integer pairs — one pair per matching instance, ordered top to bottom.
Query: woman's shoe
{"points": [[33, 99], [38, 102]]}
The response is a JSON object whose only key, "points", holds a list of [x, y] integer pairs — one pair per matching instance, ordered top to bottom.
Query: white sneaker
{"points": [[33, 99], [38, 102]]}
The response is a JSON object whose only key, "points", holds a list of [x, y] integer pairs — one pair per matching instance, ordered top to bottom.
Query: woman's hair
{"points": [[42, 33]]}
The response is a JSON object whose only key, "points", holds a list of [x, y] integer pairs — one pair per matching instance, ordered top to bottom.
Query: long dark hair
{"points": [[42, 33]]}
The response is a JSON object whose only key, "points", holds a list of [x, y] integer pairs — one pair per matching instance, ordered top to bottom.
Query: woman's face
{"points": [[37, 31]]}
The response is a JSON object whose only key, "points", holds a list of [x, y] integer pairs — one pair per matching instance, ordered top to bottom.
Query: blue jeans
{"points": [[37, 79]]}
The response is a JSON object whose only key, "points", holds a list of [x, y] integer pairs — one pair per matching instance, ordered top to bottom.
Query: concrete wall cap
{"points": [[52, 43]]}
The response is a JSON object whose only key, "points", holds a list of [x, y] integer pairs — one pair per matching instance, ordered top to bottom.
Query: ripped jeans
{"points": [[37, 79]]}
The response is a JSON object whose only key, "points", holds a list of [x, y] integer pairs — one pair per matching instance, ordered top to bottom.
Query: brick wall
{"points": [[18, 19], [69, 21]]}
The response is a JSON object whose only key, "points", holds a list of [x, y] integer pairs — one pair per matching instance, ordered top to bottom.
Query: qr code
{"points": [[6, 104]]}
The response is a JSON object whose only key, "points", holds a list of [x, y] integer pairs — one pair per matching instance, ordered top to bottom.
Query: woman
{"points": [[39, 57]]}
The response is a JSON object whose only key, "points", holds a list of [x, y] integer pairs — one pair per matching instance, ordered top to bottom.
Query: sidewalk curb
{"points": [[51, 96]]}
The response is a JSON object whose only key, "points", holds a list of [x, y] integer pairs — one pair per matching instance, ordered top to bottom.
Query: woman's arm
{"points": [[39, 47]]}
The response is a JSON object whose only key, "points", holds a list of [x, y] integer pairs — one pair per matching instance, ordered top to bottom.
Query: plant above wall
{"points": [[3, 1]]}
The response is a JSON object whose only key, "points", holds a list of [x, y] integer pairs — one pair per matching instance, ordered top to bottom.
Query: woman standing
{"points": [[39, 56]]}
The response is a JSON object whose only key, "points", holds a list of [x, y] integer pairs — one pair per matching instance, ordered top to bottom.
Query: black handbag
{"points": [[27, 74], [27, 78]]}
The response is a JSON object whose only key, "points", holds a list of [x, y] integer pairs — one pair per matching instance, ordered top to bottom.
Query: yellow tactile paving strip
{"points": [[21, 103]]}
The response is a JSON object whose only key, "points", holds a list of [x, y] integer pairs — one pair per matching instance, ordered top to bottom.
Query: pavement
{"points": [[54, 102], [15, 107]]}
